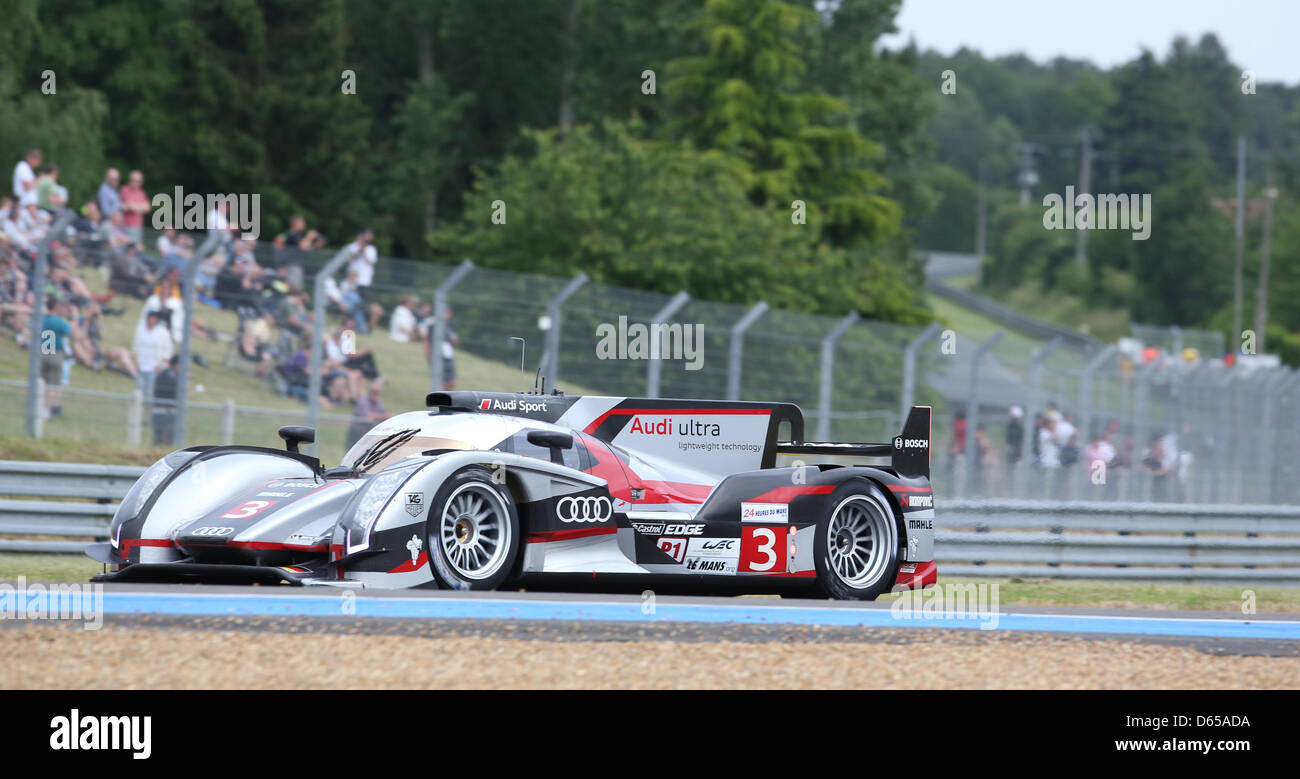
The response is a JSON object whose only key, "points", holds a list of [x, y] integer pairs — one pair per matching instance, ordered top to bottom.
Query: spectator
{"points": [[25, 178], [49, 195], [107, 198], [135, 204], [9, 226], [290, 246], [362, 258], [130, 274], [166, 301], [15, 302], [354, 305], [402, 322], [55, 329], [450, 340], [87, 346], [152, 348], [164, 401], [367, 412], [1015, 435], [1067, 441], [958, 445], [1049, 454]]}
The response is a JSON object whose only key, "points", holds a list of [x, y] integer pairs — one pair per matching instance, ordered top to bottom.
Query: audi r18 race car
{"points": [[494, 490]]}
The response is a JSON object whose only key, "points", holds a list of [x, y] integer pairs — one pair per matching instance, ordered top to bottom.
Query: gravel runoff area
{"points": [[241, 653]]}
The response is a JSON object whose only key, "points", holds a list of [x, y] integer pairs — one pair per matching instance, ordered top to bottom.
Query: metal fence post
{"points": [[189, 294], [439, 333], [318, 336], [737, 346], [551, 357], [653, 367], [909, 368], [1141, 391], [35, 394], [824, 394], [1085, 396], [1285, 398], [1037, 400], [973, 410], [135, 417], [228, 422]]}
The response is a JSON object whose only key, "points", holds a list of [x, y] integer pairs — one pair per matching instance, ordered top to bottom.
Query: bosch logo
{"points": [[911, 443], [589, 508], [212, 531]]}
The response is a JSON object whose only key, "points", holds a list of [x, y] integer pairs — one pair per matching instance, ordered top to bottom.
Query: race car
{"points": [[490, 490]]}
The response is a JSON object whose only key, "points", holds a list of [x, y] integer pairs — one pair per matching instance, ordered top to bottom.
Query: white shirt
{"points": [[23, 174], [362, 262], [177, 307], [401, 325], [153, 348], [1064, 431], [1049, 454]]}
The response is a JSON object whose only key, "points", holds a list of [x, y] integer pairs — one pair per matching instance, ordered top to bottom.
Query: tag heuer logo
{"points": [[414, 503]]}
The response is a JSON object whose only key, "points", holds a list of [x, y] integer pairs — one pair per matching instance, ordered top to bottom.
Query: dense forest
{"points": [[735, 148]]}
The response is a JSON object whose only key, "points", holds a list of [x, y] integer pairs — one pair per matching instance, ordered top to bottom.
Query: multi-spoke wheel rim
{"points": [[475, 531], [858, 541]]}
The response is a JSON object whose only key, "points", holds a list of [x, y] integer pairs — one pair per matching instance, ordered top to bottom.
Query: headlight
{"points": [[143, 489], [379, 489]]}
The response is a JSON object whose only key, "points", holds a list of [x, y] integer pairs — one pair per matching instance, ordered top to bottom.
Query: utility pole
{"points": [[1027, 178], [1085, 185], [981, 215], [1241, 226], [1265, 250]]}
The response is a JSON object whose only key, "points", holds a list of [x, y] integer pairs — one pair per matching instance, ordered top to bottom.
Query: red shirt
{"points": [[132, 196], [958, 436]]}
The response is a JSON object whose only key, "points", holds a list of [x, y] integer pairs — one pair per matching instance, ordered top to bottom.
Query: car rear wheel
{"points": [[473, 531], [857, 548]]}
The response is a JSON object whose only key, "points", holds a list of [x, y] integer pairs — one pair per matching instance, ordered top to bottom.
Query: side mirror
{"points": [[297, 434], [550, 439]]}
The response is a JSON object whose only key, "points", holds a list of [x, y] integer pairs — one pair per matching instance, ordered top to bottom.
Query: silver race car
{"points": [[497, 490]]}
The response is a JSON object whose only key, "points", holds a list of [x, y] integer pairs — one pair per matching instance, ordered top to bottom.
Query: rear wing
{"points": [[909, 452]]}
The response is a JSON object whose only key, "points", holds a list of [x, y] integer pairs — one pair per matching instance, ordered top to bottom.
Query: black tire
{"points": [[464, 501], [867, 538]]}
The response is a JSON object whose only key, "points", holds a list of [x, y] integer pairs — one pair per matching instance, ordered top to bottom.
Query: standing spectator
{"points": [[25, 177], [49, 195], [109, 201], [135, 204], [291, 244], [362, 258], [401, 322], [56, 334], [450, 340], [152, 348], [164, 401], [368, 411], [1067, 441], [958, 444], [1049, 454]]}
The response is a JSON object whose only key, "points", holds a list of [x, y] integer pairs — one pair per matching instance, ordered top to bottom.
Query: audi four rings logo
{"points": [[591, 508], [213, 531]]}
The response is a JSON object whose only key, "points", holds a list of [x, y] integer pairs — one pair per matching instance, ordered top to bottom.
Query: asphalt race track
{"points": [[588, 616]]}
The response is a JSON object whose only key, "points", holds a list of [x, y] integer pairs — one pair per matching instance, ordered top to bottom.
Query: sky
{"points": [[1258, 34]]}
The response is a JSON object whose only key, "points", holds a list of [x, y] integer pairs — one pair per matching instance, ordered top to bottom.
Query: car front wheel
{"points": [[473, 531]]}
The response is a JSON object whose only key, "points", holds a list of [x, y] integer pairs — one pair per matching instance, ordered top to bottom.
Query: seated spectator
{"points": [[10, 216], [289, 248], [129, 274], [15, 302], [292, 314], [255, 339], [87, 347], [362, 360], [367, 412]]}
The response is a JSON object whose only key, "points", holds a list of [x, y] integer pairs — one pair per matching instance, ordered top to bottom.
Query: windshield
{"points": [[376, 452]]}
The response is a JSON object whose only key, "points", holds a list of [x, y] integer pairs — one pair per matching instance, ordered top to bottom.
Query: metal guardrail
{"points": [[1012, 319], [87, 498], [1031, 538], [1195, 543]]}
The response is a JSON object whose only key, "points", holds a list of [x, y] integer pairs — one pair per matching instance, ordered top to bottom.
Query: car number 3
{"points": [[247, 509], [762, 549]]}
